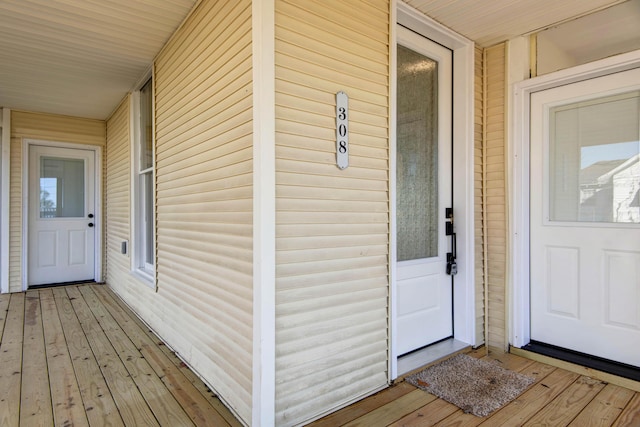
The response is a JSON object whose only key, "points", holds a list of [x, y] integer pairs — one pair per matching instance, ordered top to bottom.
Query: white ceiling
{"points": [[488, 22], [609, 32], [80, 57]]}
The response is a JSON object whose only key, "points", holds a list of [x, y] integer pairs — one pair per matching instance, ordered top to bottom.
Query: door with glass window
{"points": [[423, 192], [585, 217], [61, 245]]}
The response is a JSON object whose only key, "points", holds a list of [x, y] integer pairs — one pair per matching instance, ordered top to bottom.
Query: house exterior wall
{"points": [[203, 126], [46, 127], [479, 193], [118, 197], [495, 212], [332, 225]]}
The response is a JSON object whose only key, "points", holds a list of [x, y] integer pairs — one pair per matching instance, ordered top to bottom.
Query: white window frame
{"points": [[139, 266]]}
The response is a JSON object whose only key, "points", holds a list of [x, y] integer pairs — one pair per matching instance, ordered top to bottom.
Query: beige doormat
{"points": [[475, 386]]}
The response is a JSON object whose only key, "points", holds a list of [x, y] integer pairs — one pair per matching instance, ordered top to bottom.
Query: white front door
{"points": [[423, 191], [585, 217], [61, 246]]}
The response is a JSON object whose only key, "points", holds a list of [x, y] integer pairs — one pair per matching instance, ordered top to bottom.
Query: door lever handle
{"points": [[452, 266]]}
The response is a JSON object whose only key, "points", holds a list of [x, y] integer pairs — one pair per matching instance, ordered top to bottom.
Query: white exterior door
{"points": [[423, 192], [585, 217], [61, 245]]}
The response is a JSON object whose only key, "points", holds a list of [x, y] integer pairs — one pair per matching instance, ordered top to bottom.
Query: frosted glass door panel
{"points": [[417, 156], [594, 160], [62, 189], [424, 297]]}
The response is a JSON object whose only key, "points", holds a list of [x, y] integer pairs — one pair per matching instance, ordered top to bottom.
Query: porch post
{"points": [[263, 45], [5, 139]]}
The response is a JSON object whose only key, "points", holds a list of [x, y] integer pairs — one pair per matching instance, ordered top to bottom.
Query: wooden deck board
{"points": [[76, 355], [11, 362], [65, 393], [209, 396], [35, 397], [557, 398], [97, 400], [130, 402], [193, 402], [568, 404], [365, 406], [165, 408], [605, 408], [395, 410], [428, 415], [630, 415]]}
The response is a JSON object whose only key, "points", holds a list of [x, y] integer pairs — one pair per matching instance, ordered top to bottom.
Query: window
{"points": [[594, 160], [143, 182]]}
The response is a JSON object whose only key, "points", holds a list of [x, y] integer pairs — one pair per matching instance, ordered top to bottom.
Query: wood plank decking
{"points": [[76, 356], [557, 398]]}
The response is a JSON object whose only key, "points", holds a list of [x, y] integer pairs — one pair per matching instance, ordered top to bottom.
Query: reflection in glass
{"points": [[146, 126], [417, 156], [594, 160], [147, 185], [61, 188]]}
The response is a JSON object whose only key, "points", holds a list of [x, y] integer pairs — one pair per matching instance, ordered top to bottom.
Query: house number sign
{"points": [[342, 130]]}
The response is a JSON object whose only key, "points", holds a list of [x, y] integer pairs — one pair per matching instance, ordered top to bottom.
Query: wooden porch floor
{"points": [[76, 356], [557, 398]]}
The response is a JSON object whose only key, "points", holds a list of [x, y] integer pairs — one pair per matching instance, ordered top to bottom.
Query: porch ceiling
{"points": [[488, 22], [79, 58]]}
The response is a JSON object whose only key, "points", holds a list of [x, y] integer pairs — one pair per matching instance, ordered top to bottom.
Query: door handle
{"points": [[90, 215], [90, 224], [452, 265]]}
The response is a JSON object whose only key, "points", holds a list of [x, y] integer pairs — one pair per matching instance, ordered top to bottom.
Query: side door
{"points": [[423, 191], [585, 217], [61, 242]]}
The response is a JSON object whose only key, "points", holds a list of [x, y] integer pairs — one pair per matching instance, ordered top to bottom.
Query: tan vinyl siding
{"points": [[203, 106], [47, 127], [118, 194], [204, 194], [479, 195], [495, 196], [332, 225]]}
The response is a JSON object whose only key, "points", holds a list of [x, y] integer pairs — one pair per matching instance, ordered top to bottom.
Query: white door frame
{"points": [[463, 176], [97, 220], [519, 310]]}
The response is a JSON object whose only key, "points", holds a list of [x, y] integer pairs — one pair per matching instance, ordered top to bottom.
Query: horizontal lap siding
{"points": [[47, 127], [479, 194], [118, 195], [204, 195], [495, 198], [332, 225]]}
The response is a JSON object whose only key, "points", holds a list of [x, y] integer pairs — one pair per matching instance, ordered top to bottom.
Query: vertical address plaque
{"points": [[342, 130]]}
